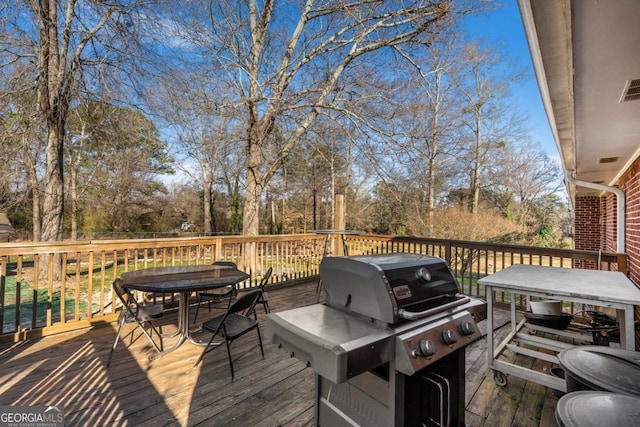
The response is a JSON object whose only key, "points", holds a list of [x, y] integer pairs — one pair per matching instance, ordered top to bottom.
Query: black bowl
{"points": [[553, 321]]}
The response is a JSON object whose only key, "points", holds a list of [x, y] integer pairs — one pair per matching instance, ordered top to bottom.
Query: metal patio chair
{"points": [[217, 295], [263, 299], [143, 315], [233, 324]]}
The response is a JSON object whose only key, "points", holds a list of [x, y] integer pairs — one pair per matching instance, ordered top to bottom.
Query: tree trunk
{"points": [[433, 154], [475, 182], [431, 183], [333, 190], [73, 195], [53, 200], [53, 203], [206, 203], [234, 203], [317, 203], [251, 210], [36, 216], [284, 229]]}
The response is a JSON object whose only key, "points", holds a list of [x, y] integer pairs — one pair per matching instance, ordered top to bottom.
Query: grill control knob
{"points": [[467, 328], [449, 337], [427, 348]]}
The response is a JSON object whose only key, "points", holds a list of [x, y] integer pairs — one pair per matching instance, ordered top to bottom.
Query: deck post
{"points": [[339, 224]]}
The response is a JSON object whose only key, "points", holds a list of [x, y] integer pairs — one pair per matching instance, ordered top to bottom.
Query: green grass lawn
{"points": [[27, 305]]}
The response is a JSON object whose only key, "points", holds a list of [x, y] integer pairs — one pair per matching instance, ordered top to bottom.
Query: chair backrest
{"points": [[265, 278], [125, 297], [246, 303]]}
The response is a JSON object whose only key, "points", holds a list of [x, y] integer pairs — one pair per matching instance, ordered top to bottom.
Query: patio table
{"points": [[183, 280], [593, 287]]}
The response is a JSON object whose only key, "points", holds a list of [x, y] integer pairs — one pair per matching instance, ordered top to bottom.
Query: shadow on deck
{"points": [[69, 370]]}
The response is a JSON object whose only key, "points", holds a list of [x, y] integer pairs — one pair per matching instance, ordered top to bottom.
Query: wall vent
{"points": [[631, 91], [608, 160]]}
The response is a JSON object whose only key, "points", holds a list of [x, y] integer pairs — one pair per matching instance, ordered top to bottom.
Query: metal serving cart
{"points": [[591, 287]]}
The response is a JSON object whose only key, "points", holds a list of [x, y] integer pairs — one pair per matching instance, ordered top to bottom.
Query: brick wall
{"points": [[630, 184], [595, 221], [587, 223], [587, 228]]}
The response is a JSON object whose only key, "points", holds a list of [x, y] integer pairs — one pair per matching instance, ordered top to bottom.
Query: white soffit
{"points": [[585, 53]]}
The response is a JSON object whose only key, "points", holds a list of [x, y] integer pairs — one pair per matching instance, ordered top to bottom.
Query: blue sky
{"points": [[503, 29]]}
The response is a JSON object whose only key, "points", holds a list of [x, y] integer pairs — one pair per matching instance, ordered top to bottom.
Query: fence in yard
{"points": [[53, 287]]}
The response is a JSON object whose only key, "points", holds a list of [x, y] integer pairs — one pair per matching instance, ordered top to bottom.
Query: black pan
{"points": [[554, 321]]}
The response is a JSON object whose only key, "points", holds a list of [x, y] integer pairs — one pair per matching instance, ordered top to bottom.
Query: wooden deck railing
{"points": [[471, 261], [52, 287]]}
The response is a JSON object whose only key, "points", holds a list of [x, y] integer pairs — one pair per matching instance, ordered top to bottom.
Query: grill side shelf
{"points": [[337, 345]]}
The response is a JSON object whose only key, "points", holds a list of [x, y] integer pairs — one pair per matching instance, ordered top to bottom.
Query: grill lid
{"points": [[383, 287]]}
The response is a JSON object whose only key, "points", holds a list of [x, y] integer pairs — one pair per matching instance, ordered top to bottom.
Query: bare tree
{"points": [[70, 43], [61, 44], [287, 64], [196, 106], [432, 118], [490, 121], [22, 144], [527, 177]]}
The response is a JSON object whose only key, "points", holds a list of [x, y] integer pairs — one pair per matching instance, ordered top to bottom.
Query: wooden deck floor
{"points": [[69, 370]]}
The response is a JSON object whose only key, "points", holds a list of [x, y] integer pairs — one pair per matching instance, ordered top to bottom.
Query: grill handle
{"points": [[415, 315]]}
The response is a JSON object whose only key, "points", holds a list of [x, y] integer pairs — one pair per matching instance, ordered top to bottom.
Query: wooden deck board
{"points": [[70, 370], [510, 398]]}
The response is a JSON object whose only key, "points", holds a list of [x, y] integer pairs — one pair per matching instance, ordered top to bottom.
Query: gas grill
{"points": [[388, 345]]}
